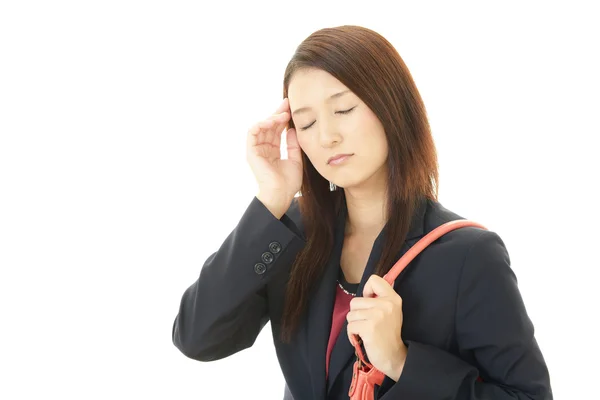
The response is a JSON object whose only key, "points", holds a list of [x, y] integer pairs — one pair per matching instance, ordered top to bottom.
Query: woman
{"points": [[361, 154]]}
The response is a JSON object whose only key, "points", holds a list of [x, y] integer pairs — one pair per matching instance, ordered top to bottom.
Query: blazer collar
{"points": [[320, 307]]}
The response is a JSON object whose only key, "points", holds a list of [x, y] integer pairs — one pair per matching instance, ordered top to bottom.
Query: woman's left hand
{"points": [[378, 321]]}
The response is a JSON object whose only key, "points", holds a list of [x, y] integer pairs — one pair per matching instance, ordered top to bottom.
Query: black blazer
{"points": [[463, 314]]}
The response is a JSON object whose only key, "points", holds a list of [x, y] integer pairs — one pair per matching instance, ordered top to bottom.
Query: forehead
{"points": [[312, 85]]}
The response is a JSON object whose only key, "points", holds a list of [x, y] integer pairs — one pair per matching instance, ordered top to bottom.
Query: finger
{"points": [[283, 106], [274, 120], [280, 122], [272, 125], [259, 129], [260, 132], [264, 132], [253, 136], [293, 147], [376, 286], [363, 303], [363, 314], [360, 328]]}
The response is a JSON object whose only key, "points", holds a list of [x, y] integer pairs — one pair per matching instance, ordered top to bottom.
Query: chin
{"points": [[345, 183]]}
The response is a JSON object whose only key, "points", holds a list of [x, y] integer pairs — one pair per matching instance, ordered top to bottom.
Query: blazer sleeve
{"points": [[225, 309], [493, 326]]}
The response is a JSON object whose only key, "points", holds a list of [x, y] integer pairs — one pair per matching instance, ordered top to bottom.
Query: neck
{"points": [[367, 213]]}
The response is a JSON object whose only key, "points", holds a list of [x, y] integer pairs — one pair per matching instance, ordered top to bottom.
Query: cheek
{"points": [[379, 139], [305, 144], [305, 147], [377, 149], [382, 153]]}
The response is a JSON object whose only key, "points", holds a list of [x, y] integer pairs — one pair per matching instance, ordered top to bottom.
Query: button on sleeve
{"points": [[275, 247], [267, 257], [260, 268]]}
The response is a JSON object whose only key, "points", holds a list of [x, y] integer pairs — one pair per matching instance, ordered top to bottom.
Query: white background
{"points": [[122, 167]]}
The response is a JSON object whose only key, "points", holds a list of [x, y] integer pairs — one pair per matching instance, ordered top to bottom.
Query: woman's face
{"points": [[323, 131]]}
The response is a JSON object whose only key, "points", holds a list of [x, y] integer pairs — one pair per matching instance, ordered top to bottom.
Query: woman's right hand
{"points": [[278, 180]]}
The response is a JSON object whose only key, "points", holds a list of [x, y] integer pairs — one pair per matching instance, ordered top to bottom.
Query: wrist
{"points": [[275, 205], [397, 365]]}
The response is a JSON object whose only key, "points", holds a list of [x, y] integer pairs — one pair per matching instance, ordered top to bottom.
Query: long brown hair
{"points": [[366, 63]]}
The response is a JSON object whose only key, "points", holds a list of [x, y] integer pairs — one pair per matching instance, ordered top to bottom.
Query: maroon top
{"points": [[340, 309]]}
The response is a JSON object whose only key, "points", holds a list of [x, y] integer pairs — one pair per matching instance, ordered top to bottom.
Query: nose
{"points": [[328, 134]]}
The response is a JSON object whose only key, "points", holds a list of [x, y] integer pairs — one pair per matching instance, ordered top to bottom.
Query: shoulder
{"points": [[437, 214], [475, 247]]}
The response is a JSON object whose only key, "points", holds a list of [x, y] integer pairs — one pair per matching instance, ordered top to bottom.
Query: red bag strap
{"points": [[414, 251]]}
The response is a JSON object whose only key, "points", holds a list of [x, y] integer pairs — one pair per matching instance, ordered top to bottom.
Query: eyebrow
{"points": [[333, 96]]}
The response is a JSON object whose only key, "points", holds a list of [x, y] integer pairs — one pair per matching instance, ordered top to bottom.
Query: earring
{"points": [[332, 186]]}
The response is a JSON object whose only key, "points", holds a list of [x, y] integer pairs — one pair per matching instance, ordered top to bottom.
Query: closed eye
{"points": [[337, 112]]}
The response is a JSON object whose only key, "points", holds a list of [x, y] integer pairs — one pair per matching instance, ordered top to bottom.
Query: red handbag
{"points": [[365, 376]]}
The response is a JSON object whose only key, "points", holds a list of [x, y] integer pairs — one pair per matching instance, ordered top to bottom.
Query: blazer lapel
{"points": [[320, 310], [343, 352]]}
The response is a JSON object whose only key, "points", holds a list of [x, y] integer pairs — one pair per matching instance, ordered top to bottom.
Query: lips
{"points": [[337, 156]]}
